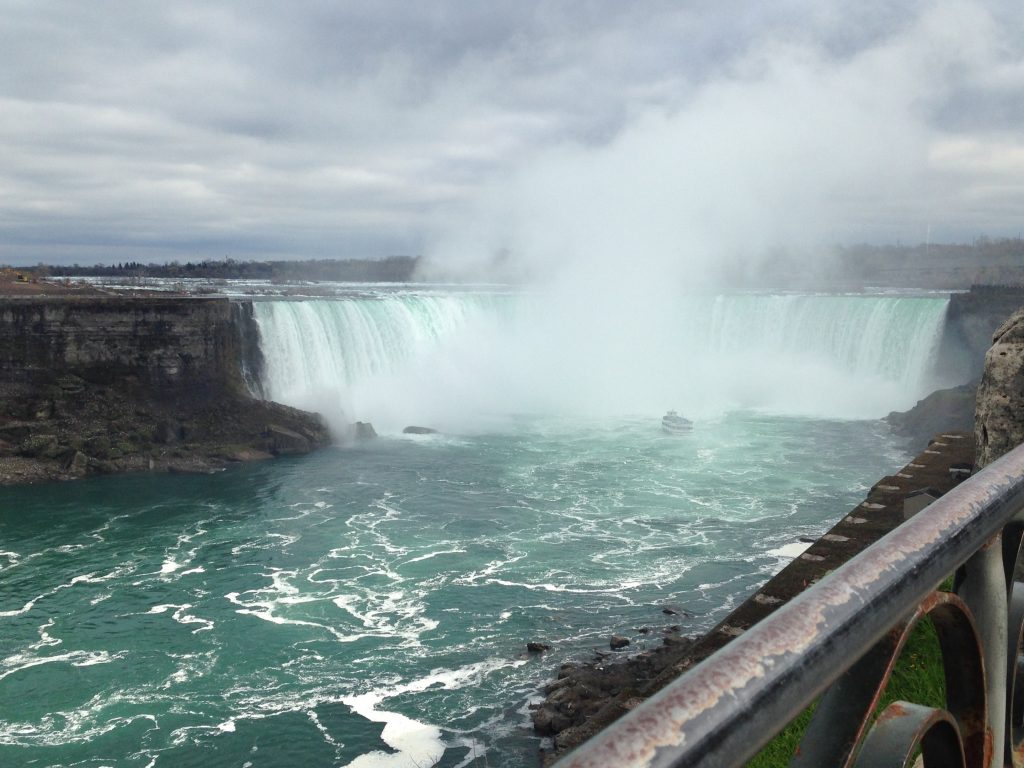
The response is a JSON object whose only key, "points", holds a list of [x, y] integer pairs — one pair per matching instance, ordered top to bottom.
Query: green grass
{"points": [[918, 677]]}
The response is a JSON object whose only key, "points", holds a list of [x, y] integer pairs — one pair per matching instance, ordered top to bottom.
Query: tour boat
{"points": [[675, 424]]}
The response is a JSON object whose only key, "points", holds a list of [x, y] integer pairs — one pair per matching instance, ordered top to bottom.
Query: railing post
{"points": [[984, 592]]}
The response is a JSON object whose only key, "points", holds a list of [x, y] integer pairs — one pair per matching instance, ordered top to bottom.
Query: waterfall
{"points": [[452, 356]]}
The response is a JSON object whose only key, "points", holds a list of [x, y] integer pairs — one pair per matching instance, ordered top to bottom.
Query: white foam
{"points": [[790, 551], [430, 555], [85, 578], [264, 609], [182, 617], [19, 662], [417, 744]]}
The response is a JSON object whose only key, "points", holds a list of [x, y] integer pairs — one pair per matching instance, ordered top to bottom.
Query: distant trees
{"points": [[390, 269]]}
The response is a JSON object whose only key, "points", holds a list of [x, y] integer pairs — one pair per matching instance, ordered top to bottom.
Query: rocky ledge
{"points": [[103, 385], [945, 410], [586, 695]]}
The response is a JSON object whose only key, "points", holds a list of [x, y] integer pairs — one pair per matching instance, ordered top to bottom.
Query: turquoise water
{"points": [[370, 605]]}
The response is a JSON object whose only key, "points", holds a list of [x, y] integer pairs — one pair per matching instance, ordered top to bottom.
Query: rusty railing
{"points": [[837, 642]]}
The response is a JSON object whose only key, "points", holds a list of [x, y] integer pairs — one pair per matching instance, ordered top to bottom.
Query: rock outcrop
{"points": [[971, 319], [99, 384], [943, 410], [999, 419], [586, 690]]}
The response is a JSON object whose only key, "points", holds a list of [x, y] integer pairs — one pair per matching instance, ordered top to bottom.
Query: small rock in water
{"points": [[364, 430], [419, 431], [670, 611], [618, 642], [535, 647]]}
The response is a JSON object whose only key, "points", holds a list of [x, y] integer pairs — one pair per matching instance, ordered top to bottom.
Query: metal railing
{"points": [[839, 640]]}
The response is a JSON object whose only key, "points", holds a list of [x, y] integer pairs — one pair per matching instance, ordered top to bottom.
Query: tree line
{"points": [[389, 269]]}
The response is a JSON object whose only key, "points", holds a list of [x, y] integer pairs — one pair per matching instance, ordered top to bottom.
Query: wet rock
{"points": [[364, 430], [419, 431], [285, 442], [247, 454], [75, 463], [618, 642], [535, 647], [548, 722]]}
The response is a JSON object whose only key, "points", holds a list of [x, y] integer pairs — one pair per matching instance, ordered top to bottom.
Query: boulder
{"points": [[999, 418], [364, 430], [285, 442], [75, 463], [618, 642], [535, 647], [549, 721]]}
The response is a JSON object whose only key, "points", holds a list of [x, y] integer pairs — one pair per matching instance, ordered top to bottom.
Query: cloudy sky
{"points": [[459, 129]]}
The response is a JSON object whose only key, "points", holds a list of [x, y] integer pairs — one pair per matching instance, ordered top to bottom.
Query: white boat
{"points": [[675, 424]]}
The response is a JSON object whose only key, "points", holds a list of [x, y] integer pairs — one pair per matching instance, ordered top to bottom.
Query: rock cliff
{"points": [[971, 319], [99, 384], [943, 410], [999, 419]]}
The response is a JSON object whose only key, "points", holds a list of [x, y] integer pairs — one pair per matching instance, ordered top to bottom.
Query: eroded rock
{"points": [[999, 418], [364, 430], [286, 442]]}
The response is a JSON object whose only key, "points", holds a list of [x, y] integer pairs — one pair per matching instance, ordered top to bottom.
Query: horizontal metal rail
{"points": [[721, 712]]}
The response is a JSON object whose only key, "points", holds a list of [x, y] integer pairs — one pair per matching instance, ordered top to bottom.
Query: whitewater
{"points": [[370, 605]]}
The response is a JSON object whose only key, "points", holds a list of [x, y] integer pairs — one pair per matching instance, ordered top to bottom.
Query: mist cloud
{"points": [[323, 129], [791, 146]]}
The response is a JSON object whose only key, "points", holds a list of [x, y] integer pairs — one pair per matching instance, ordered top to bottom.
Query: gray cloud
{"points": [[318, 129]]}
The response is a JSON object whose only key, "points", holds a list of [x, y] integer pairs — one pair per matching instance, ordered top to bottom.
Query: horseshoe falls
{"points": [[456, 359], [370, 605]]}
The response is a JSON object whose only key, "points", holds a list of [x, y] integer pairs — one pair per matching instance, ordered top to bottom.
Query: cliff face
{"points": [[971, 319], [162, 342], [112, 384], [999, 419]]}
